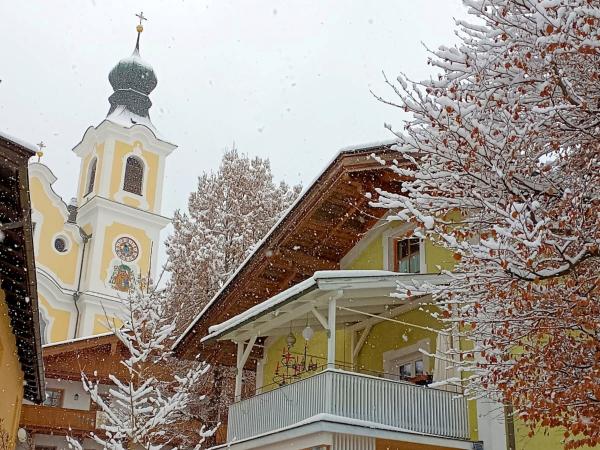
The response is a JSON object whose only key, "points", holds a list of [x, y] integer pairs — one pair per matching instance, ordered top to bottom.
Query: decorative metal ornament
{"points": [[126, 249], [290, 339]]}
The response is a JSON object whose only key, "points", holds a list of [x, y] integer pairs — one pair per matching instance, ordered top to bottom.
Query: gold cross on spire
{"points": [[140, 26], [40, 152]]}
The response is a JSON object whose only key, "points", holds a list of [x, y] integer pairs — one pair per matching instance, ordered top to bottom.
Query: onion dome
{"points": [[132, 80]]}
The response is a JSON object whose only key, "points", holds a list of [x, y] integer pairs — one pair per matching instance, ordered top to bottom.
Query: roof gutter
{"points": [[215, 336]]}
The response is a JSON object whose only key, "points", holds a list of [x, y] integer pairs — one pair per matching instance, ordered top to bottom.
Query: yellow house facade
{"points": [[91, 250], [341, 362]]}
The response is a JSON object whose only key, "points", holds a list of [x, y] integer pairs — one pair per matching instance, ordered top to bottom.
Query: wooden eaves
{"points": [[331, 216], [17, 264]]}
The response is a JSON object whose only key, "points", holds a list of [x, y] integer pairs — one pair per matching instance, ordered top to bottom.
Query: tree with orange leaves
{"points": [[503, 153]]}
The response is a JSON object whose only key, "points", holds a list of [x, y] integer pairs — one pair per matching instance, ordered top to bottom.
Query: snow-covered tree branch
{"points": [[502, 162], [229, 213], [147, 407]]}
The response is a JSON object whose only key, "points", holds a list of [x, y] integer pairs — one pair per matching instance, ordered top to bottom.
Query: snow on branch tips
{"points": [[502, 158], [150, 398]]}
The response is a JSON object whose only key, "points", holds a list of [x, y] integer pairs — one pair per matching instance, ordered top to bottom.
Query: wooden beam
{"points": [[390, 313], [320, 318], [267, 323], [360, 343], [247, 351], [242, 357], [238, 372]]}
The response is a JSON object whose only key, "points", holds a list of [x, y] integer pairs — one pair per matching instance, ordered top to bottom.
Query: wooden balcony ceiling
{"points": [[329, 219], [58, 421]]}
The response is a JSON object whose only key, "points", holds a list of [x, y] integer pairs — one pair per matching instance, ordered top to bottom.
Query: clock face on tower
{"points": [[126, 249]]}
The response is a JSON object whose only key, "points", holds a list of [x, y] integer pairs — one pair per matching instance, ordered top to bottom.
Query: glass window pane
{"points": [[408, 256], [414, 263], [403, 266], [419, 367], [406, 370], [53, 398]]}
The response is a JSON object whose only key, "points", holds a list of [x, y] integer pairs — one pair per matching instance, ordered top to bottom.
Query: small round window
{"points": [[60, 245]]}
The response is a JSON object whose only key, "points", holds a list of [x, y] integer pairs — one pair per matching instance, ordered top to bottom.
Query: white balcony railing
{"points": [[353, 396]]}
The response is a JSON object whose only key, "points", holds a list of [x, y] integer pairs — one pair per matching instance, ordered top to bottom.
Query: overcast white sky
{"points": [[288, 80]]}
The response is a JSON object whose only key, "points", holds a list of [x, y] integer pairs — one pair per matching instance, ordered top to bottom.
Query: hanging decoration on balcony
{"points": [[290, 368]]}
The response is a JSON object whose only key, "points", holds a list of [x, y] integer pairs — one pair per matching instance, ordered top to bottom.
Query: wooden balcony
{"points": [[354, 397], [42, 419]]}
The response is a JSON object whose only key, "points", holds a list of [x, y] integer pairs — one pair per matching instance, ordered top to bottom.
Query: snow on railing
{"points": [[354, 397]]}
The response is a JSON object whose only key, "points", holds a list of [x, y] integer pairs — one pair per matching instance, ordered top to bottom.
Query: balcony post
{"points": [[331, 332], [243, 352], [239, 371]]}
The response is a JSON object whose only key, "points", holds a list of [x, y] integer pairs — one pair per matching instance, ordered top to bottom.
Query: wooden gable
{"points": [[324, 225], [96, 356]]}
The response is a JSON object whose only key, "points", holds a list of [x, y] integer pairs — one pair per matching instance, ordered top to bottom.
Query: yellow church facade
{"points": [[91, 250]]}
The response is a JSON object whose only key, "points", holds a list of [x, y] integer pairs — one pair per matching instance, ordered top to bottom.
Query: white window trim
{"points": [[390, 237], [395, 358]]}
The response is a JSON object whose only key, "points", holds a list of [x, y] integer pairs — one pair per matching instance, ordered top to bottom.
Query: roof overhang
{"points": [[318, 230], [17, 264], [361, 295]]}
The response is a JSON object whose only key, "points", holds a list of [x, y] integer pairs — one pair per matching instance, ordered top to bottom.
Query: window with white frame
{"points": [[407, 255], [407, 363], [410, 369], [54, 397]]}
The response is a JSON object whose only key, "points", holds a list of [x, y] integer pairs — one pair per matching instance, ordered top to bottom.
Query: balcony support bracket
{"points": [[320, 318], [361, 341], [243, 352]]}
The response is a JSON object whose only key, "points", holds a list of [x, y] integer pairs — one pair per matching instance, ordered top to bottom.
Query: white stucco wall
{"points": [[71, 388], [490, 422], [60, 442]]}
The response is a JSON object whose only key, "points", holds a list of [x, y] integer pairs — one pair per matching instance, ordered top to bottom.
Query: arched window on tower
{"points": [[134, 175], [92, 176]]}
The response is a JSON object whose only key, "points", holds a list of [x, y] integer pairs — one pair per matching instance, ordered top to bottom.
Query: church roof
{"points": [[132, 80]]}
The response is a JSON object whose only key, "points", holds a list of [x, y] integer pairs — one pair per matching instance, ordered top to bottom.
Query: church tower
{"points": [[111, 230]]}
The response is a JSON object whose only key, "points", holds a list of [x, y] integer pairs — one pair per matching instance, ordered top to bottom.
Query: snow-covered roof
{"points": [[124, 117], [18, 141], [366, 146], [294, 205], [327, 280], [79, 339]]}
